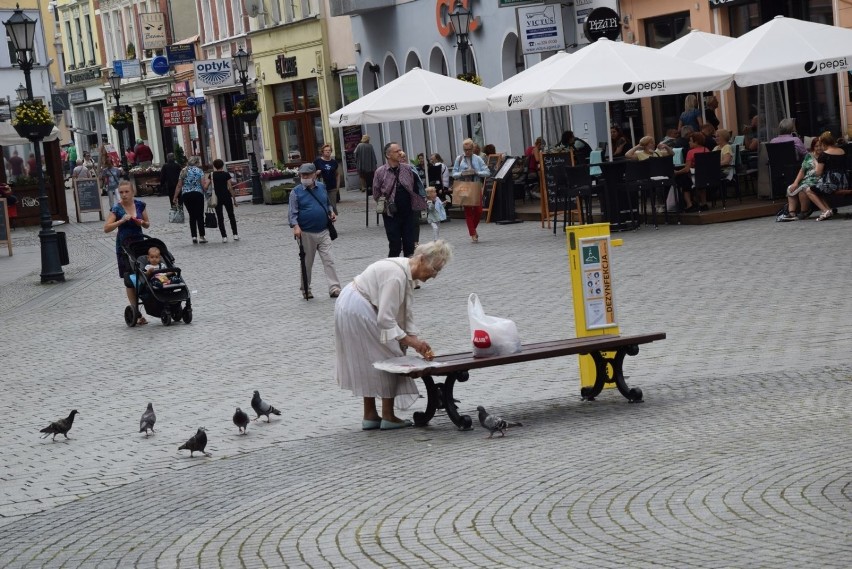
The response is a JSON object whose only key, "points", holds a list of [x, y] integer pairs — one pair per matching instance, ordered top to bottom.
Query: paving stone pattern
{"points": [[738, 458]]}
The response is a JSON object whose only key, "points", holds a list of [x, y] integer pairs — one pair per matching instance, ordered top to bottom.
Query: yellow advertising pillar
{"points": [[590, 261]]}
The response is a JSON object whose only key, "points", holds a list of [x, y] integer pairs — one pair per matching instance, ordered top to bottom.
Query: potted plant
{"points": [[470, 78], [246, 109], [32, 120], [120, 120], [276, 184]]}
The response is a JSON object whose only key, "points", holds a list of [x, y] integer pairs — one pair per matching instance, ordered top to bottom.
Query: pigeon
{"points": [[261, 407], [148, 420], [241, 420], [494, 423], [62, 426], [196, 442]]}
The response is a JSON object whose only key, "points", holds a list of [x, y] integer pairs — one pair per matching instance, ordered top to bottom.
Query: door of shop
{"points": [[297, 137]]}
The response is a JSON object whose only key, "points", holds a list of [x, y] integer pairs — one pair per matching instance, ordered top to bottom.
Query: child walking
{"points": [[435, 212]]}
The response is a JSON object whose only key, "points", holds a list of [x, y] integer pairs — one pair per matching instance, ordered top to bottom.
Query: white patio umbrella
{"points": [[696, 44], [784, 49], [606, 71], [418, 94]]}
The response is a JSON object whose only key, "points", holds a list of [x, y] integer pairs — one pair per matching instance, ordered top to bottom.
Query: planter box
{"points": [[277, 191]]}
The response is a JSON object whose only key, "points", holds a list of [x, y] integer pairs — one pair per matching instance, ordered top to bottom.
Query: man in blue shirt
{"points": [[332, 176], [310, 211]]}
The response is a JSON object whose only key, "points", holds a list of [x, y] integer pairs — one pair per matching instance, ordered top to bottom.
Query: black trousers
{"points": [[194, 203], [228, 203], [400, 232]]}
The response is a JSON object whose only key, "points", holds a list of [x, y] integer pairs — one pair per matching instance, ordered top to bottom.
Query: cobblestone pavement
{"points": [[740, 455]]}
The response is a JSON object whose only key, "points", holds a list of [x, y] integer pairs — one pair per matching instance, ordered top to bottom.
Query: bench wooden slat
{"points": [[541, 350]]}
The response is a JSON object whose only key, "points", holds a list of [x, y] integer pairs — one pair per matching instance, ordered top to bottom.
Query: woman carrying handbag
{"points": [[468, 169]]}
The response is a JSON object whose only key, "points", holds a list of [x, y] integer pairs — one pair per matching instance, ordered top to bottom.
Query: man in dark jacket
{"points": [[169, 175]]}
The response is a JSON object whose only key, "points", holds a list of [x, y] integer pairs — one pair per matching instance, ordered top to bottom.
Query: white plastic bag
{"points": [[491, 336]]}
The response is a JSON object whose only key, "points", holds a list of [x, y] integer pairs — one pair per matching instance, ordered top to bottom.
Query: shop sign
{"points": [[720, 3], [443, 8], [582, 10], [602, 23], [153, 26], [540, 28], [181, 53], [160, 65], [286, 66], [127, 68], [214, 73], [82, 75], [158, 90], [77, 96], [179, 100], [193, 101], [60, 102], [177, 116]]}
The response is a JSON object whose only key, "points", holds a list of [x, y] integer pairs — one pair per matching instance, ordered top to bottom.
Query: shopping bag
{"points": [[467, 193], [212, 200], [671, 200], [176, 215], [210, 220], [491, 336]]}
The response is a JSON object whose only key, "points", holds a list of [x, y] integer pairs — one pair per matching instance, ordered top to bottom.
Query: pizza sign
{"points": [[176, 116]]}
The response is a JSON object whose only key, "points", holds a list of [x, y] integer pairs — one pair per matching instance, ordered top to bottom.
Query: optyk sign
{"points": [[213, 73]]}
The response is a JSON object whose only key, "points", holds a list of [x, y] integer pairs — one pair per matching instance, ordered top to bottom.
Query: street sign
{"points": [[540, 28], [181, 52], [160, 65], [126, 68], [179, 100], [192, 101], [60, 102], [176, 116]]}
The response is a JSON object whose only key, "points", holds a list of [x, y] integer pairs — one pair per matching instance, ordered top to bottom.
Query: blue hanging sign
{"points": [[181, 52], [160, 65]]}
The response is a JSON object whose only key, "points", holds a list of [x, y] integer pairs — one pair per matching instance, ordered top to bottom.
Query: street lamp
{"points": [[460, 19], [21, 29], [242, 63], [115, 83], [21, 92]]}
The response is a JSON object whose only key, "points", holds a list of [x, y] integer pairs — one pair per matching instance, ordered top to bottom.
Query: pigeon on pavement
{"points": [[261, 407], [148, 420], [241, 420], [494, 423], [60, 427], [197, 442]]}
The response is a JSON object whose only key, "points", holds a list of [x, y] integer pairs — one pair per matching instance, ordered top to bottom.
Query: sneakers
{"points": [[788, 217], [236, 237], [224, 239], [203, 240], [194, 241]]}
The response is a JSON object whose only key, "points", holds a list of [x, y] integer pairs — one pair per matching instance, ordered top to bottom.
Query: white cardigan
{"points": [[389, 287]]}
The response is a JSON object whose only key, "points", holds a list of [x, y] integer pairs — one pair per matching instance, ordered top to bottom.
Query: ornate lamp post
{"points": [[460, 19], [21, 29], [242, 62], [115, 84]]}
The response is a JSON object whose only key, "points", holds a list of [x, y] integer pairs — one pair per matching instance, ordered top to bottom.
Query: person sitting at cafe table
{"points": [[787, 133], [709, 135], [751, 142], [723, 145], [582, 149], [647, 149], [831, 172], [683, 177], [798, 203]]}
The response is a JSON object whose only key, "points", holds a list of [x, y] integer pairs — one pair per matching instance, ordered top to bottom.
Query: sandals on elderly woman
{"points": [[827, 214]]}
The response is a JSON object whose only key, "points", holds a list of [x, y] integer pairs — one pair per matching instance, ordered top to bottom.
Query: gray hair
{"points": [[787, 126], [387, 147], [194, 161], [436, 254]]}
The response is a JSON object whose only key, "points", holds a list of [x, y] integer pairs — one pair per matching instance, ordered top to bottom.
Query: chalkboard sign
{"points": [[550, 163], [489, 188], [87, 196], [5, 236]]}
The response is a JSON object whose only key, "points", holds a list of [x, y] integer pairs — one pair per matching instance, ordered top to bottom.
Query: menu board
{"points": [[351, 139], [241, 174], [87, 196], [5, 236]]}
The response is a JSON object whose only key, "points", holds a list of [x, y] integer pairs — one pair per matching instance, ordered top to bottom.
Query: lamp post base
{"points": [[51, 268]]}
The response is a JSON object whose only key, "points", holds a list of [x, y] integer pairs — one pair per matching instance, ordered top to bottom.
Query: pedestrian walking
{"points": [[365, 162], [470, 167], [169, 176], [332, 176], [110, 178], [394, 182], [189, 187], [225, 197], [310, 211]]}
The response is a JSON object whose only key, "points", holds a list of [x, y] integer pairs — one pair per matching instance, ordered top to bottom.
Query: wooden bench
{"points": [[456, 368]]}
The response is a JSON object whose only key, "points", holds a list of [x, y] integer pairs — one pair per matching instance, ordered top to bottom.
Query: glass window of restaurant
{"points": [[660, 32], [813, 101], [297, 121]]}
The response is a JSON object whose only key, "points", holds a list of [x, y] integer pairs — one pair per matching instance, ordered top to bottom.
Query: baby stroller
{"points": [[165, 302]]}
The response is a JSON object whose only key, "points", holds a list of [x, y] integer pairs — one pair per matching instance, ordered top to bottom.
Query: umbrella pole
{"points": [[786, 100], [608, 122]]}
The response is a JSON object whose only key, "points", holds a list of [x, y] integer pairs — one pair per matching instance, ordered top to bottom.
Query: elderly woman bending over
{"points": [[374, 321]]}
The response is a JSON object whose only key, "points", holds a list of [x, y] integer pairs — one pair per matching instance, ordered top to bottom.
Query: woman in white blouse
{"points": [[373, 321]]}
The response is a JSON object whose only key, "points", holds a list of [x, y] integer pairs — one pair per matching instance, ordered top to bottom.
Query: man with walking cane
{"points": [[309, 216]]}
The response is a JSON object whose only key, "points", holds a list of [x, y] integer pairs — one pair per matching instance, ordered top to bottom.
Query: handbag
{"points": [[467, 193], [212, 200], [380, 204], [176, 215], [210, 219]]}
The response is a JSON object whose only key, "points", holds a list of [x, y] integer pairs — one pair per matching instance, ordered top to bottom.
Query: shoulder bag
{"points": [[212, 201], [210, 219], [332, 231]]}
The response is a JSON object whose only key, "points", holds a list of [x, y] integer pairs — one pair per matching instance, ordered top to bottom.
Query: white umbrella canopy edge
{"points": [[695, 44], [784, 48], [608, 71], [417, 94]]}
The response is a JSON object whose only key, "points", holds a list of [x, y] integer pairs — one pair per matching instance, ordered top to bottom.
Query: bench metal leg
{"points": [[602, 363], [433, 401], [463, 422]]}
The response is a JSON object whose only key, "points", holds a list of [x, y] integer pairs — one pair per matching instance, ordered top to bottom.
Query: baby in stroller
{"points": [[154, 270]]}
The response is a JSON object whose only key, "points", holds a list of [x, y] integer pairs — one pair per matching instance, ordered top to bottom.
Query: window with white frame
{"points": [[237, 15], [221, 20], [130, 26], [208, 26], [70, 39]]}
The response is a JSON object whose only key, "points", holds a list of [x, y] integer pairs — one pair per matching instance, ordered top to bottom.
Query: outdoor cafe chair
{"points": [[738, 140], [783, 167], [661, 174], [707, 175], [637, 181], [573, 184]]}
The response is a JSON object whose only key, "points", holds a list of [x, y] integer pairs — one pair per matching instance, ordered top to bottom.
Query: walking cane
{"points": [[304, 269]]}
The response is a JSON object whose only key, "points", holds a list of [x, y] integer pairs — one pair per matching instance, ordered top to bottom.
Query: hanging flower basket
{"points": [[470, 78], [246, 110], [32, 120], [120, 120]]}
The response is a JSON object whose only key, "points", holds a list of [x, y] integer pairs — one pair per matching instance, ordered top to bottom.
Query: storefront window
{"points": [[299, 93], [313, 94], [298, 122], [289, 150]]}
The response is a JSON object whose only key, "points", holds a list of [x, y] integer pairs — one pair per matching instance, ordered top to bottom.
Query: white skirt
{"points": [[357, 345]]}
